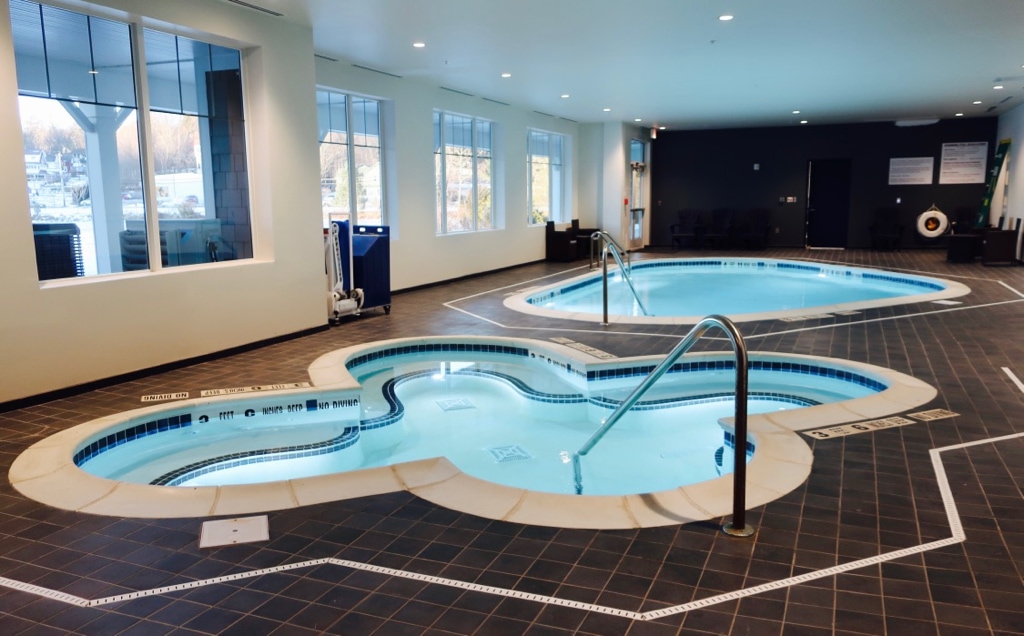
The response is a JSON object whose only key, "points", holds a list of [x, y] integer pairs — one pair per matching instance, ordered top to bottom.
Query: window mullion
{"points": [[351, 153], [473, 160], [149, 192], [443, 194]]}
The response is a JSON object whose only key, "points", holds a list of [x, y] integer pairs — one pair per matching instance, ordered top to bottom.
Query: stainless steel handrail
{"points": [[608, 243], [738, 526]]}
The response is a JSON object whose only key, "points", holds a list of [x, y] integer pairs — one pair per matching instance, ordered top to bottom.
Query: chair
{"points": [[754, 228], [688, 230], [886, 230], [720, 232], [569, 244], [135, 251]]}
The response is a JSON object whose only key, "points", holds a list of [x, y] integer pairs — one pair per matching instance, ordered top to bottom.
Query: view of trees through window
{"points": [[544, 158], [462, 168], [351, 174]]}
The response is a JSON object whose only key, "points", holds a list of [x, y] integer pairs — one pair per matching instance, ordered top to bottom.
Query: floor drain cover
{"points": [[455, 404], [513, 453], [231, 531]]}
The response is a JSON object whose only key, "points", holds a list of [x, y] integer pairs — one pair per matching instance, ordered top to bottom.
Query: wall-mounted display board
{"points": [[963, 162], [911, 170]]}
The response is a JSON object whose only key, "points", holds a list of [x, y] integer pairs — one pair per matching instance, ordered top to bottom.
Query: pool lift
{"points": [[606, 244], [342, 298], [738, 526]]}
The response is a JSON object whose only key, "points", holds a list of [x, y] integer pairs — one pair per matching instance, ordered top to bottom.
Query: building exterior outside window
{"points": [[81, 98]]}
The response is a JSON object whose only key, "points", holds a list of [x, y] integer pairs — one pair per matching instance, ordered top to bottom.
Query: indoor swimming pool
{"points": [[681, 291], [472, 423]]}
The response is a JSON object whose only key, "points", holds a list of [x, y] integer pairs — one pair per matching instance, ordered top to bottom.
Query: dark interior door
{"points": [[828, 202]]}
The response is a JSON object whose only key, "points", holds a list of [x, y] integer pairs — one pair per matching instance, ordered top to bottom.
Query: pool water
{"points": [[738, 288], [511, 420]]}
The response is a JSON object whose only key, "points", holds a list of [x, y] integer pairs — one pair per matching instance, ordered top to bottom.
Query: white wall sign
{"points": [[963, 162], [911, 170]]}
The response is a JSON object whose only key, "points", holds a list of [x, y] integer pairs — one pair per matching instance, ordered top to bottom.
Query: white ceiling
{"points": [[673, 63]]}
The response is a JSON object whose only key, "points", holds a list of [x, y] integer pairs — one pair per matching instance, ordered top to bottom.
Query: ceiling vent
{"points": [[255, 7], [373, 70]]}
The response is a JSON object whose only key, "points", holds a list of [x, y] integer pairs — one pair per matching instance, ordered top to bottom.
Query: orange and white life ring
{"points": [[932, 223]]}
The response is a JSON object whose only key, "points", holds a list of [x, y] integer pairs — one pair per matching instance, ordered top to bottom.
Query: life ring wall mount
{"points": [[932, 223]]}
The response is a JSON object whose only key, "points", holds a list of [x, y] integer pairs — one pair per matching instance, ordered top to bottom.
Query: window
{"points": [[81, 124], [544, 156], [638, 165], [463, 169], [351, 175]]}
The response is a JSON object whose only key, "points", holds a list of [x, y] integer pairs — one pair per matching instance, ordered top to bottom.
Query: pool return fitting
{"points": [[607, 244], [738, 526]]}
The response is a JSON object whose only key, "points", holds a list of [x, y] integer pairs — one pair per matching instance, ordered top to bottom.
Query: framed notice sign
{"points": [[963, 162], [911, 170]]}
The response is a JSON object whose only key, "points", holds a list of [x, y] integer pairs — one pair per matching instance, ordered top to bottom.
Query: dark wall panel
{"points": [[709, 169]]}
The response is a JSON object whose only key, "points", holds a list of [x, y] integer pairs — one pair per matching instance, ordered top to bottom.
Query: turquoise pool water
{"points": [[741, 288], [502, 414]]}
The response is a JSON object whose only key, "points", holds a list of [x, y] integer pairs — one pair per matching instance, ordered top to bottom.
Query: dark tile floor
{"points": [[868, 495]]}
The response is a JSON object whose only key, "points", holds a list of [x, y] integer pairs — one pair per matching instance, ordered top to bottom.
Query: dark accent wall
{"points": [[709, 169]]}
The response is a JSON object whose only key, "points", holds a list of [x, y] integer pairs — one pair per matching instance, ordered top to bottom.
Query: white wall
{"points": [[1011, 126], [419, 255], [60, 334]]}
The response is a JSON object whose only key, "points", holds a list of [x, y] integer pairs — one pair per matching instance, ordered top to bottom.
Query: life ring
{"points": [[932, 223]]}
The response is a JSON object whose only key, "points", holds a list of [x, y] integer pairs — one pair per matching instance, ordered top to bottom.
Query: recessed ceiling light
{"points": [[725, 18], [419, 45], [94, 72], [506, 74], [998, 87], [565, 96], [976, 102], [607, 110], [796, 112], [959, 114], [637, 119], [803, 121], [661, 128]]}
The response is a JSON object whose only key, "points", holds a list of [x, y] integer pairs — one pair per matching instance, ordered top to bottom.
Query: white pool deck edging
{"points": [[517, 302], [45, 472]]}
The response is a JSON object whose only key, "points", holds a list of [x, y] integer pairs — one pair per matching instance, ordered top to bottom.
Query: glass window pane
{"points": [[27, 31], [68, 54], [112, 57], [193, 69], [162, 71], [339, 118], [365, 122], [459, 173], [334, 182], [368, 186], [483, 195], [85, 222]]}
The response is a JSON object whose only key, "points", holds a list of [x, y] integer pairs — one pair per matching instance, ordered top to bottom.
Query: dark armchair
{"points": [[566, 245]]}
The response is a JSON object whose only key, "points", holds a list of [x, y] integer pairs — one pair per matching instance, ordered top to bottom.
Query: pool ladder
{"points": [[608, 244], [738, 526]]}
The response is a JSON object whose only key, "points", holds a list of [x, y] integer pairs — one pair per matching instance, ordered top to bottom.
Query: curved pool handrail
{"points": [[608, 244], [738, 526]]}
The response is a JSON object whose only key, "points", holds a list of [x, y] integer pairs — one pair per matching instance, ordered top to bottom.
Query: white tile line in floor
{"points": [[1011, 289], [1016, 380], [952, 515]]}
